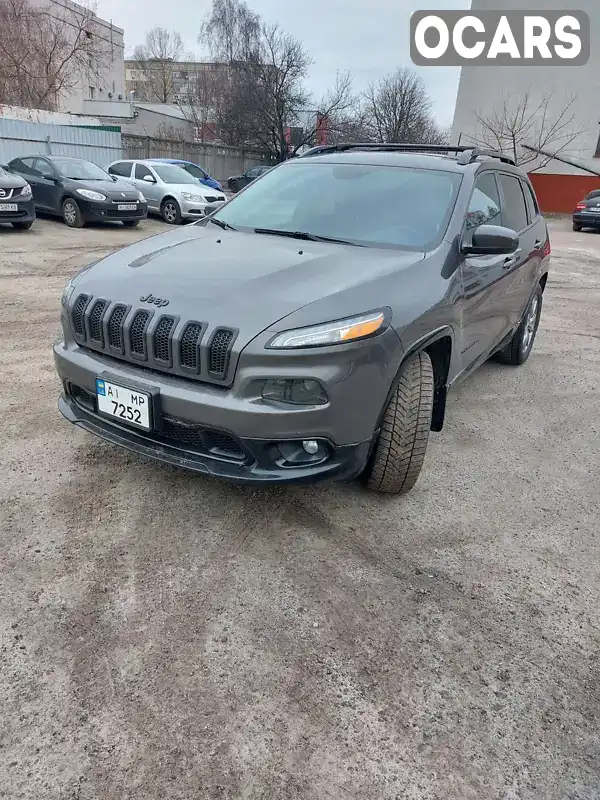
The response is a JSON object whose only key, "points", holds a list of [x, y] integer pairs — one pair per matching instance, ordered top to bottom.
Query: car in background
{"points": [[194, 169], [238, 182], [170, 190], [79, 191], [16, 201], [587, 212]]}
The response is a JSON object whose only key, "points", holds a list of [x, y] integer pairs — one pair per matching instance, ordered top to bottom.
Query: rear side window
{"points": [[23, 165], [123, 168], [484, 208], [533, 209], [514, 211]]}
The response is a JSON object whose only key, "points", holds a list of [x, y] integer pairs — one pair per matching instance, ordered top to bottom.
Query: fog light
{"points": [[294, 391], [311, 447]]}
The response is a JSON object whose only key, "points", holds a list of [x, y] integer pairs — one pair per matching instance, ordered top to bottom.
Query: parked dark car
{"points": [[194, 169], [238, 182], [80, 191], [16, 201], [587, 212], [286, 340]]}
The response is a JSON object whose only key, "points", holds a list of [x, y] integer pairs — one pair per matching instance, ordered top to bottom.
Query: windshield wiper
{"points": [[225, 225], [303, 235]]}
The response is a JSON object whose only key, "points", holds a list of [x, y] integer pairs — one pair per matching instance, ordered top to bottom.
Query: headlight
{"points": [[26, 191], [91, 195], [142, 198], [196, 198], [72, 282], [338, 332]]}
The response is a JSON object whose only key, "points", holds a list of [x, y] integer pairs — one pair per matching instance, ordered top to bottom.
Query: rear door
{"points": [[24, 167], [522, 275], [485, 279]]}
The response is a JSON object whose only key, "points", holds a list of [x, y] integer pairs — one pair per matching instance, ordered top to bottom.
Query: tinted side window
{"points": [[22, 165], [44, 168], [123, 168], [141, 171], [195, 171], [532, 206], [484, 208], [514, 211]]}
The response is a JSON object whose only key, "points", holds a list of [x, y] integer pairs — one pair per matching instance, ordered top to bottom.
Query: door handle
{"points": [[538, 244], [511, 260]]}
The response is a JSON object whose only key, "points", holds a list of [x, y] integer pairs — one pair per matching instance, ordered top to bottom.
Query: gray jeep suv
{"points": [[312, 326]]}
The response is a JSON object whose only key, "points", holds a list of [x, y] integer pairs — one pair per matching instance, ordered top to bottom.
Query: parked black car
{"points": [[238, 182], [80, 191], [16, 201], [587, 212]]}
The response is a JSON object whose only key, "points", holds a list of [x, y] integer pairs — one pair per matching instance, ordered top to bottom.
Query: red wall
{"points": [[561, 193]]}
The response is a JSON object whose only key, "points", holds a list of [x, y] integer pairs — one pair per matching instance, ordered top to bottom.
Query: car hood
{"points": [[9, 180], [114, 190], [240, 280]]}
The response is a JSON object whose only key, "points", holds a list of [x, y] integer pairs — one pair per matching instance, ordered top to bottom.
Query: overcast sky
{"points": [[368, 37]]}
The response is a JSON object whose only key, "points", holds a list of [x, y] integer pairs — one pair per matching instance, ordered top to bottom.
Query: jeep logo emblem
{"points": [[157, 301]]}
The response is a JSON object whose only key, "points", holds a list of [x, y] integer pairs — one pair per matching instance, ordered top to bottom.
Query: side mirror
{"points": [[148, 179], [492, 240]]}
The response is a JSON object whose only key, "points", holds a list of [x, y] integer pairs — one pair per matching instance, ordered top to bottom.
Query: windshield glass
{"points": [[80, 170], [171, 173], [198, 173], [377, 206]]}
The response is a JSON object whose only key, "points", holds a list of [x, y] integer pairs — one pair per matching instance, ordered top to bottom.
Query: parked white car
{"points": [[169, 190]]}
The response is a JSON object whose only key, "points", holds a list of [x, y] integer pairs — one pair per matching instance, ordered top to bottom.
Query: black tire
{"points": [[235, 187], [170, 211], [71, 214], [131, 223], [22, 226], [577, 227], [518, 350], [399, 453]]}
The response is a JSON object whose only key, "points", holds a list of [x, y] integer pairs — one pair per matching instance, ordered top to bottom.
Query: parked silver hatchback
{"points": [[169, 190]]}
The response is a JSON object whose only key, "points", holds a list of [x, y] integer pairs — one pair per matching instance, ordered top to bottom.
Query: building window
{"points": [[92, 92]]}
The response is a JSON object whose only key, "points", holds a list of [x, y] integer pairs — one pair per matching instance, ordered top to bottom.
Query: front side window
{"points": [[141, 172], [196, 172], [372, 205], [484, 207]]}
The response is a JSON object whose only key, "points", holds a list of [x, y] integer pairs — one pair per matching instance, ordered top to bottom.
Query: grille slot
{"points": [[77, 314], [95, 322], [115, 327], [137, 333], [163, 341], [188, 349], [219, 352], [199, 439]]}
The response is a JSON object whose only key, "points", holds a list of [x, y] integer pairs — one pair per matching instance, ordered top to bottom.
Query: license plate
{"points": [[9, 207], [127, 207], [594, 210], [123, 404]]}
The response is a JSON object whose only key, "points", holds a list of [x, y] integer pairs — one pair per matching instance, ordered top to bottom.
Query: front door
{"points": [[151, 191], [48, 192], [485, 318]]}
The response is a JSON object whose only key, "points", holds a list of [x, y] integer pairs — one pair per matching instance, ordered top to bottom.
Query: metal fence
{"points": [[19, 138], [219, 161]]}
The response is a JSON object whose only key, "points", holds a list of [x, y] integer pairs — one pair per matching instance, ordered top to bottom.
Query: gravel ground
{"points": [[163, 635]]}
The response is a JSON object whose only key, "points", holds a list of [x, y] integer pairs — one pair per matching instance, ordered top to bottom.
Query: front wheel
{"points": [[235, 187], [170, 212], [71, 214], [131, 223], [22, 226], [577, 227], [517, 351], [399, 453]]}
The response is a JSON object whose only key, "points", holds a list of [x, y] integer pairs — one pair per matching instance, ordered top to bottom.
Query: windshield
{"points": [[80, 170], [196, 172], [171, 173], [377, 206]]}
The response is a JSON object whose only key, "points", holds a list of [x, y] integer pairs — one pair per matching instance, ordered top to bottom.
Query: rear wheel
{"points": [[170, 211], [71, 214], [131, 223], [22, 226], [577, 227], [520, 346], [399, 453]]}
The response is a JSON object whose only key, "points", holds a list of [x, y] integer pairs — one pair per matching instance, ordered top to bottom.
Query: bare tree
{"points": [[231, 32], [47, 51], [155, 62], [398, 109], [527, 121]]}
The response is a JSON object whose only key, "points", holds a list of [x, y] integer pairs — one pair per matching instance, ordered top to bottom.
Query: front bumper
{"points": [[191, 209], [25, 211], [108, 211], [587, 220]]}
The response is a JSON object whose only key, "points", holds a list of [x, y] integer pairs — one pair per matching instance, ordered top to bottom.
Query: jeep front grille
{"points": [[160, 342]]}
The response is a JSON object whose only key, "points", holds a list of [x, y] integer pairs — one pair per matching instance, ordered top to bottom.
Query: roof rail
{"points": [[467, 153]]}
